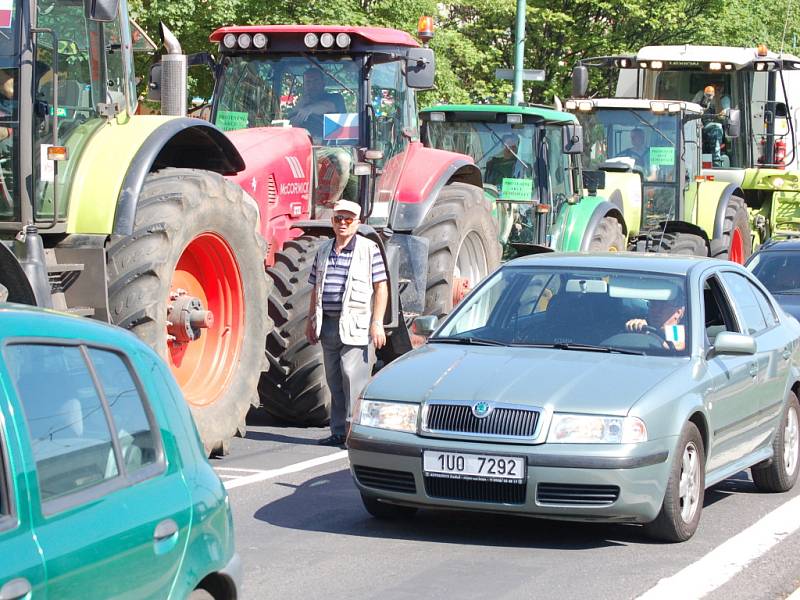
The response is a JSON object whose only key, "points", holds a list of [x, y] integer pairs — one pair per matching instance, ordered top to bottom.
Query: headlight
{"points": [[388, 415], [592, 429]]}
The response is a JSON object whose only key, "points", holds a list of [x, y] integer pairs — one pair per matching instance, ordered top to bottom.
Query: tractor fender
{"points": [[112, 167], [413, 179], [600, 212], [719, 217], [575, 221], [14, 282]]}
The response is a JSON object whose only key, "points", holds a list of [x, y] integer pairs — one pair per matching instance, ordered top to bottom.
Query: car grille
{"points": [[501, 422], [384, 479], [475, 490], [583, 495]]}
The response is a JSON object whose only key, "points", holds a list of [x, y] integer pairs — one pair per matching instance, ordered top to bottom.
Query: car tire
{"points": [[780, 473], [386, 511], [677, 522]]}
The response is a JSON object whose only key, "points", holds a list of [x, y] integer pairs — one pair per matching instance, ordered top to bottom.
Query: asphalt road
{"points": [[303, 533]]}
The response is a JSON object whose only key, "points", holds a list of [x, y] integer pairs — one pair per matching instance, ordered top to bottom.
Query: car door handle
{"points": [[753, 369], [166, 529], [16, 588]]}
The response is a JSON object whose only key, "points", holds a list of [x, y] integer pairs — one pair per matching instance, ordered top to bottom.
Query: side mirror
{"points": [[103, 11], [200, 58], [420, 68], [580, 81], [154, 82], [733, 124], [572, 136], [593, 181], [424, 325], [729, 342]]}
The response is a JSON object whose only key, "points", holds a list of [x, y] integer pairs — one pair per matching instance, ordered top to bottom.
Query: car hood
{"points": [[566, 380]]}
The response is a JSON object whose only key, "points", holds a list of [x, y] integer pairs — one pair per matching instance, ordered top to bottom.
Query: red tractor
{"points": [[326, 112]]}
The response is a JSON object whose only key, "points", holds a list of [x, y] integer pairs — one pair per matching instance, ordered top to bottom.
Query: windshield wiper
{"points": [[474, 341], [586, 347]]}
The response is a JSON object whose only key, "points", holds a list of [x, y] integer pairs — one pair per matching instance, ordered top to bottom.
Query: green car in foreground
{"points": [[587, 387], [105, 489]]}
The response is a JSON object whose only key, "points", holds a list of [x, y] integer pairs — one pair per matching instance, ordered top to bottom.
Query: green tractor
{"points": [[651, 153], [529, 161], [123, 217]]}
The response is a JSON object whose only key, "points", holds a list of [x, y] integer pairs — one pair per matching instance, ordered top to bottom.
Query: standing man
{"points": [[346, 312]]}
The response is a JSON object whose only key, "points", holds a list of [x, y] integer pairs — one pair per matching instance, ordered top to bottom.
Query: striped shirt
{"points": [[336, 276]]}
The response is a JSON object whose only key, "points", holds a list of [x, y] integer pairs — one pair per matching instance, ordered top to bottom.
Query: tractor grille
{"points": [[500, 422], [384, 479], [475, 490], [580, 495]]}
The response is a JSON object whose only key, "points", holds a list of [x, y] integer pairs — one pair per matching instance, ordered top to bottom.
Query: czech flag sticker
{"points": [[6, 12], [339, 127], [676, 335]]}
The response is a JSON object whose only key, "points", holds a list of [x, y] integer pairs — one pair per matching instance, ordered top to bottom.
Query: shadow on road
{"points": [[331, 504]]}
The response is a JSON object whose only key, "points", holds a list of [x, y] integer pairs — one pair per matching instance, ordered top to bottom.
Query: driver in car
{"points": [[660, 314]]}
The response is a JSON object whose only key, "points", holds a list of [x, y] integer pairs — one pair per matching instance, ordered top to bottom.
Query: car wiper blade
{"points": [[475, 341], [587, 347]]}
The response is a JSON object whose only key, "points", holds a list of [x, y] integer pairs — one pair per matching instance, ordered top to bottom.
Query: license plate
{"points": [[484, 466]]}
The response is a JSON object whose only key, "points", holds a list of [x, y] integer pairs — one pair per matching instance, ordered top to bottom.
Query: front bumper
{"points": [[577, 472]]}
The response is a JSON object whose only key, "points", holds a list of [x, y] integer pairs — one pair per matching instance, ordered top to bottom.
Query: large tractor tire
{"points": [[608, 236], [677, 242], [736, 244], [463, 246], [190, 282], [294, 388]]}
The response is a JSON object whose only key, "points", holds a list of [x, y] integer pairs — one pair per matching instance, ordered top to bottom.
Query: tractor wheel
{"points": [[608, 236], [677, 242], [736, 243], [463, 245], [190, 282], [294, 388]]}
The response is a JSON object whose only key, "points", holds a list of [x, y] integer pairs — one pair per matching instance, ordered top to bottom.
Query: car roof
{"points": [[790, 242], [632, 261], [20, 321]]}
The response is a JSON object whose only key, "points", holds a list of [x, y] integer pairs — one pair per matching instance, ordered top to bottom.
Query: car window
{"points": [[778, 271], [747, 307], [767, 309], [717, 312], [125, 402], [67, 426], [5, 490]]}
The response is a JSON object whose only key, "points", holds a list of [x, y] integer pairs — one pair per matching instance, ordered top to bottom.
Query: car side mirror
{"points": [[103, 11], [420, 68], [154, 82], [733, 124], [572, 138], [424, 325], [729, 342]]}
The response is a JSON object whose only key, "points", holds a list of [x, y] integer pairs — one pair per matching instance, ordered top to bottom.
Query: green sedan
{"points": [[594, 388]]}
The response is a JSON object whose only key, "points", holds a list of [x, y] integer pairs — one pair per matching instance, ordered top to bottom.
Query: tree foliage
{"points": [[475, 37]]}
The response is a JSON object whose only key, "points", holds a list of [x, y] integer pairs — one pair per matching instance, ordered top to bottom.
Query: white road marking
{"points": [[273, 473], [730, 557]]}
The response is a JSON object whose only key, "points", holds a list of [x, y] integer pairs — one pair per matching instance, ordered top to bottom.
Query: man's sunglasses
{"points": [[343, 219]]}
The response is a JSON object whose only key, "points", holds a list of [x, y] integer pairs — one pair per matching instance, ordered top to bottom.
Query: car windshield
{"points": [[778, 271], [567, 308]]}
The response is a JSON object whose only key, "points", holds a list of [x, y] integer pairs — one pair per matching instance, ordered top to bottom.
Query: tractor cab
{"points": [[751, 85], [349, 88], [654, 144], [527, 171]]}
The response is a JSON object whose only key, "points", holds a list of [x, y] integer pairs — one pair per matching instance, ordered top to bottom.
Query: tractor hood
{"points": [[566, 380]]}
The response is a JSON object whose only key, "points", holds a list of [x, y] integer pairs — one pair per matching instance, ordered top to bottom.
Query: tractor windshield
{"points": [[717, 93], [640, 141], [504, 153]]}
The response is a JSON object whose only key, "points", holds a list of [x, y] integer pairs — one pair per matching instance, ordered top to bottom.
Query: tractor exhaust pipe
{"points": [[173, 76]]}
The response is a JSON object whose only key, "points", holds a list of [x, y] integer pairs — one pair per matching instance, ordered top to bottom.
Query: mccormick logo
{"points": [[481, 409]]}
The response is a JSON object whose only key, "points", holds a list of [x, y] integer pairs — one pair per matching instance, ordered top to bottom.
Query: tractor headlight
{"points": [[311, 40], [327, 40], [343, 40], [229, 41], [244, 41], [259, 41], [398, 416], [594, 429]]}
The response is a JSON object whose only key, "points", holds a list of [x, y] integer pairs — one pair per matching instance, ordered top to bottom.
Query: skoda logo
{"points": [[481, 409]]}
